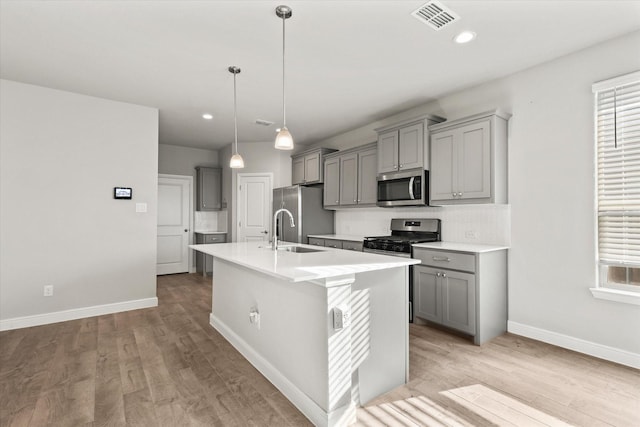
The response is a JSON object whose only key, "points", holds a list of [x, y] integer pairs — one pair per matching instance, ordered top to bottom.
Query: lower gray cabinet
{"points": [[349, 245], [204, 262], [462, 291], [446, 297]]}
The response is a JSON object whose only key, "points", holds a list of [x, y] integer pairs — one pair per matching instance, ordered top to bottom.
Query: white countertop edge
{"points": [[209, 232], [349, 237], [461, 247], [292, 267]]}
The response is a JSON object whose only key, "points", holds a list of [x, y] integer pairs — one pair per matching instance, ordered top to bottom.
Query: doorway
{"points": [[254, 192], [175, 212]]}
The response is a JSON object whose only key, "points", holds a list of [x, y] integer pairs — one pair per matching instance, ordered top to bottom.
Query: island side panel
{"points": [[380, 331], [292, 333]]}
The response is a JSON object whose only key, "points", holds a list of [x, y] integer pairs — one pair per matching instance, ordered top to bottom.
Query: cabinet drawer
{"points": [[215, 238], [315, 241], [333, 243], [352, 246], [445, 259]]}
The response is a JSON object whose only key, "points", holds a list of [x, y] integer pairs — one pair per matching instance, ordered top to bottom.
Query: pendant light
{"points": [[284, 140], [236, 161]]}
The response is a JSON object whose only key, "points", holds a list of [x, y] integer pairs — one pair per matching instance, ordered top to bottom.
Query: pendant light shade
{"points": [[284, 140], [236, 161]]}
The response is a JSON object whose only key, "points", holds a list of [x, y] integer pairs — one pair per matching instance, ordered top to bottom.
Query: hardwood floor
{"points": [[166, 366]]}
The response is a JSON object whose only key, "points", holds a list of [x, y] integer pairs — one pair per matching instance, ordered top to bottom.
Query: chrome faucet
{"points": [[274, 243]]}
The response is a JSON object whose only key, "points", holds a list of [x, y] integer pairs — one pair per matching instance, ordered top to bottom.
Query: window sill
{"points": [[616, 295]]}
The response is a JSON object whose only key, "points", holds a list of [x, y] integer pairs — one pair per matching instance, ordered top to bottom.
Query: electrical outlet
{"points": [[471, 234], [48, 290], [254, 317]]}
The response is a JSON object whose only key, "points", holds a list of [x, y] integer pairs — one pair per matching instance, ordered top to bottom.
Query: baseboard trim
{"points": [[75, 313], [600, 351], [339, 417]]}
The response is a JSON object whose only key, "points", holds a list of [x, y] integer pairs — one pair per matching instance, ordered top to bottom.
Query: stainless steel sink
{"points": [[299, 249]]}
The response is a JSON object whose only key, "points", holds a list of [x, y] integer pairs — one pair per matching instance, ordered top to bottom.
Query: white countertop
{"points": [[209, 232], [349, 237], [461, 247], [298, 267]]}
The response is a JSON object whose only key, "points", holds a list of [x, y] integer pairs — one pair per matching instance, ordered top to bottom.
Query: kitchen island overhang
{"points": [[277, 308]]}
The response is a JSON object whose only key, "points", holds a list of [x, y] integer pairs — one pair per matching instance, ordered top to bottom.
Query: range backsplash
{"points": [[489, 224]]}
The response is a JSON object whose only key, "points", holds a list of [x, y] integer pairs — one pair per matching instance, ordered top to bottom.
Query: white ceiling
{"points": [[349, 63]]}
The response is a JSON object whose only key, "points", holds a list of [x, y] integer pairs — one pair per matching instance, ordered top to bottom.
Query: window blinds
{"points": [[618, 170]]}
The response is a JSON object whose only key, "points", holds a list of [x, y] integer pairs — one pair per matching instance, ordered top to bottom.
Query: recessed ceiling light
{"points": [[464, 37], [207, 116]]}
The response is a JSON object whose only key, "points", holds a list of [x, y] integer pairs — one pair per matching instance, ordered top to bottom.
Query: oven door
{"points": [[408, 188]]}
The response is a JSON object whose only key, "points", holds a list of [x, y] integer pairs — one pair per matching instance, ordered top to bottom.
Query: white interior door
{"points": [[254, 194], [174, 223]]}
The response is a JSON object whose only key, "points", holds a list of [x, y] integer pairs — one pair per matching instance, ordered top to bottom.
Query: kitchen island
{"points": [[278, 307]]}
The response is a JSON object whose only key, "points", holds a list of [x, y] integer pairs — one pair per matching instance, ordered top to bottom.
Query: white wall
{"points": [[61, 156], [258, 157], [551, 193]]}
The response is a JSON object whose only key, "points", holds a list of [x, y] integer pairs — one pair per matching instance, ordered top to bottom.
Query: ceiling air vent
{"points": [[435, 15], [263, 122]]}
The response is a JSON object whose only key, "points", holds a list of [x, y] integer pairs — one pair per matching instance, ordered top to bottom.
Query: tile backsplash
{"points": [[210, 221], [488, 224]]}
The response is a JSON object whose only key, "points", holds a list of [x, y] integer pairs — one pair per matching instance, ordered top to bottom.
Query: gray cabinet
{"points": [[403, 145], [469, 160], [307, 167], [367, 171], [350, 177], [208, 188], [331, 196], [316, 241], [350, 245], [204, 262], [462, 291]]}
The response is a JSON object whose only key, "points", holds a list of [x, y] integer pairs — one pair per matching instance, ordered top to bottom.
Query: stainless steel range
{"points": [[404, 233]]}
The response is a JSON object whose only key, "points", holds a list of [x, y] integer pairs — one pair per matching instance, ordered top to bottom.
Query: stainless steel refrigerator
{"points": [[305, 203]]}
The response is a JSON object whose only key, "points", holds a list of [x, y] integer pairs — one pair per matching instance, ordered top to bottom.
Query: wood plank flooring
{"points": [[166, 366]]}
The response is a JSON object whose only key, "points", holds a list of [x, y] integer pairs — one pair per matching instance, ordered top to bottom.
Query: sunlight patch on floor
{"points": [[497, 408]]}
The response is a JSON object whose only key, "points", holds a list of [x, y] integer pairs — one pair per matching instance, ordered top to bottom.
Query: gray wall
{"points": [[61, 154], [258, 157], [176, 160], [551, 190]]}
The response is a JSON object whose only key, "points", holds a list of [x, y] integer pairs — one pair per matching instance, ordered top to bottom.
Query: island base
{"points": [[286, 331]]}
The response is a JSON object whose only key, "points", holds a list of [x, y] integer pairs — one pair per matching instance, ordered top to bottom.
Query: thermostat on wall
{"points": [[122, 193]]}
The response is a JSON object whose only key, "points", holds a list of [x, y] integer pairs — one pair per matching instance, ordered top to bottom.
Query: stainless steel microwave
{"points": [[405, 188]]}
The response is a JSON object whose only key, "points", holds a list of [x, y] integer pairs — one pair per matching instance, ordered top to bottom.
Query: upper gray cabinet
{"points": [[404, 145], [469, 160], [307, 167], [350, 177], [209, 188]]}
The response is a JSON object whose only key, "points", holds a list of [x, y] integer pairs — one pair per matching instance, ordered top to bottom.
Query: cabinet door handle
{"points": [[453, 194], [459, 194], [185, 230], [265, 232], [441, 258], [437, 274], [444, 275]]}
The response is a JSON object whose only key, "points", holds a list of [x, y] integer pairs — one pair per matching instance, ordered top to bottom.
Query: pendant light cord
{"points": [[235, 114], [284, 116]]}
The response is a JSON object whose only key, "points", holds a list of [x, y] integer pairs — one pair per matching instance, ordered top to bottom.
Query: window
{"points": [[617, 129]]}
